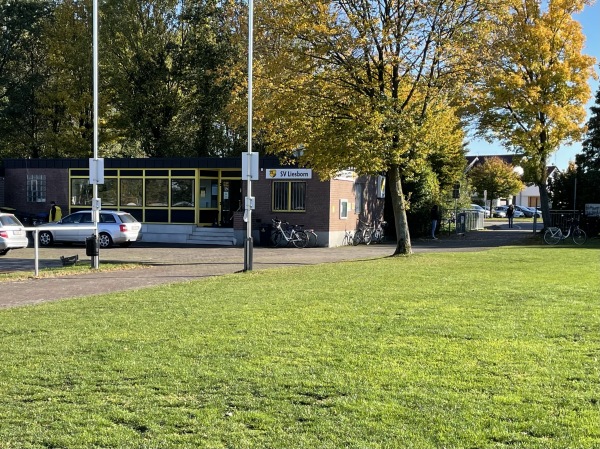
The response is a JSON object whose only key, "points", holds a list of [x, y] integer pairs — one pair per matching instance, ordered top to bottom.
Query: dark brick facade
{"points": [[57, 189], [322, 197]]}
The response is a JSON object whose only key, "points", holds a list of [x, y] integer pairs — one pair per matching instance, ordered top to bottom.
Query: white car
{"points": [[114, 227], [12, 233]]}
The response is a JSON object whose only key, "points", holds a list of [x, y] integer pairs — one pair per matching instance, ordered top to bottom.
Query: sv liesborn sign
{"points": [[289, 173]]}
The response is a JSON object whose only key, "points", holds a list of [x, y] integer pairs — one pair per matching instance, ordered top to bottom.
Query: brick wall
{"points": [[57, 189], [342, 189], [317, 199]]}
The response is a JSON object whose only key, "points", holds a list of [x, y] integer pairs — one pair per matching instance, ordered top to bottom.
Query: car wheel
{"points": [[45, 238], [104, 240], [3, 252]]}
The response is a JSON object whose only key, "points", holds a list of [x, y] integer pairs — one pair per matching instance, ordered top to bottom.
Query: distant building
{"points": [[529, 196]]}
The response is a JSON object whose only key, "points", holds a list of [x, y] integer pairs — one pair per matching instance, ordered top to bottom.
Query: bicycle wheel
{"points": [[368, 236], [377, 236], [552, 236], [579, 236], [277, 238], [312, 238], [357, 238], [300, 240], [346, 240]]}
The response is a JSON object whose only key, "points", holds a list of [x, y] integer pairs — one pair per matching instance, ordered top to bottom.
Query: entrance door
{"points": [[231, 201]]}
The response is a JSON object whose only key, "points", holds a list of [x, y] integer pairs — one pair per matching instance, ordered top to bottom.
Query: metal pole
{"points": [[95, 143], [575, 193], [248, 242], [37, 252]]}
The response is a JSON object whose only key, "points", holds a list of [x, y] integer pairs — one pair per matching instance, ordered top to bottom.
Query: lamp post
{"points": [[95, 213], [248, 244]]}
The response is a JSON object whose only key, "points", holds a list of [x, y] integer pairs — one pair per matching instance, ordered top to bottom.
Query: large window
{"points": [[36, 188], [81, 192], [108, 192], [131, 192], [157, 192], [182, 192], [209, 193], [289, 196]]}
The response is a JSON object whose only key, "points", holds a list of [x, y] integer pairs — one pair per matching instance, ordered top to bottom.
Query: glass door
{"points": [[231, 197]]}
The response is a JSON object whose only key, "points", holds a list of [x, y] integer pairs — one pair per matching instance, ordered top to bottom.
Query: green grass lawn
{"points": [[81, 267], [494, 349]]}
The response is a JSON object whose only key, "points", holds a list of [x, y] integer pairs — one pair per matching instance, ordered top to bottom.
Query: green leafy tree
{"points": [[141, 66], [22, 77], [168, 82], [368, 85], [67, 99], [533, 99], [589, 159], [497, 177], [580, 183]]}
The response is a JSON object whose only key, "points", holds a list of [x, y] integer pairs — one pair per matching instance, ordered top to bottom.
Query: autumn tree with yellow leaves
{"points": [[369, 85], [535, 86], [496, 177]]}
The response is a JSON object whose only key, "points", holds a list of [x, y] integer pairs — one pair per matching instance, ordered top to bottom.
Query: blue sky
{"points": [[590, 21]]}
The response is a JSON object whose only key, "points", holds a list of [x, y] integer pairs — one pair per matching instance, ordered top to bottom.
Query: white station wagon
{"points": [[114, 227], [12, 233]]}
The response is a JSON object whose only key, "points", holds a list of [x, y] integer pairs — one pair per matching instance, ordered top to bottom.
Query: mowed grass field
{"points": [[493, 349]]}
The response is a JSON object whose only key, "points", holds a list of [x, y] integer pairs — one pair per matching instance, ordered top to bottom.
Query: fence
{"points": [[461, 221], [591, 225]]}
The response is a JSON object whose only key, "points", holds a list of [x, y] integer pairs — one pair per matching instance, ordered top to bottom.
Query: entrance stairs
{"points": [[212, 236]]}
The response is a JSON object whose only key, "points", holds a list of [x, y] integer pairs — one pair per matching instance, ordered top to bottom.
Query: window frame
{"points": [[37, 194], [291, 196], [344, 209]]}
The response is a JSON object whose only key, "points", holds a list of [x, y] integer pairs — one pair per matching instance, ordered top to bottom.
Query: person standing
{"points": [[55, 212], [510, 213], [434, 220]]}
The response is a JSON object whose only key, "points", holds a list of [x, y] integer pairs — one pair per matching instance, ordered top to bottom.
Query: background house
{"points": [[529, 196]]}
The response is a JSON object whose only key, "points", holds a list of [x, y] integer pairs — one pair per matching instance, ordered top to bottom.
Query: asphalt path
{"points": [[165, 264]]}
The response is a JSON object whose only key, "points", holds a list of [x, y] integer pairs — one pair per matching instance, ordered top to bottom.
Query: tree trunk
{"points": [[545, 202], [403, 245]]}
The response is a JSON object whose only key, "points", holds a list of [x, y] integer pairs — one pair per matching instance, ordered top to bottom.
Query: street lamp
{"points": [[249, 203]]}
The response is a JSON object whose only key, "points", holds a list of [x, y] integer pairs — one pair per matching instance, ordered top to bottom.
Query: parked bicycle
{"points": [[363, 234], [555, 234], [378, 235], [284, 236], [313, 238], [348, 238]]}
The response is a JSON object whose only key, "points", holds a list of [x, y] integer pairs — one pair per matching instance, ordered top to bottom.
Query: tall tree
{"points": [[141, 65], [22, 76], [168, 80], [364, 84], [536, 86], [67, 99], [589, 158], [497, 177], [580, 183]]}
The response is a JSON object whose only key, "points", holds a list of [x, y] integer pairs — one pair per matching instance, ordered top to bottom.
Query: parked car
{"points": [[478, 208], [537, 211], [500, 212], [529, 212], [114, 227], [12, 233]]}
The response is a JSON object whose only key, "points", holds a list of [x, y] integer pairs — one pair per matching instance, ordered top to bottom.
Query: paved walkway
{"points": [[184, 263]]}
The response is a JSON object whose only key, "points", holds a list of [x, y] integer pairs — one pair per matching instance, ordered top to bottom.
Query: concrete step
{"points": [[212, 236]]}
